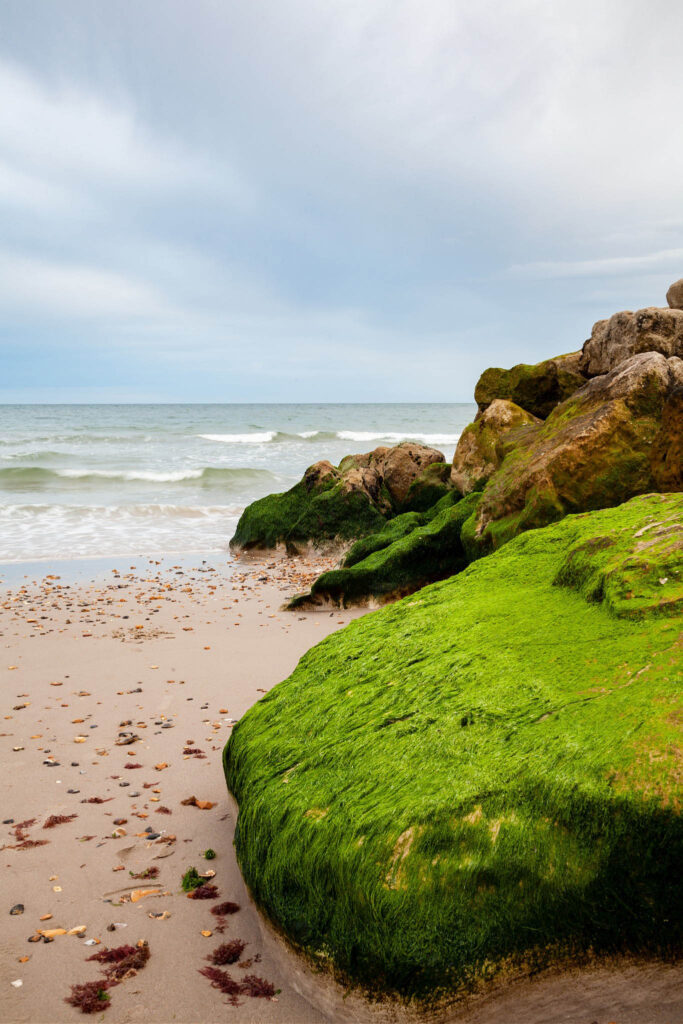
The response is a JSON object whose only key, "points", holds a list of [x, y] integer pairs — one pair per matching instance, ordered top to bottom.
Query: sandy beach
{"points": [[170, 654], [173, 656]]}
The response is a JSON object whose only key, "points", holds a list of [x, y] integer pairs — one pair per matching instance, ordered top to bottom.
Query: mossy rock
{"points": [[538, 387], [615, 438], [484, 444], [433, 484], [339, 504], [297, 518], [395, 529], [422, 554], [483, 778]]}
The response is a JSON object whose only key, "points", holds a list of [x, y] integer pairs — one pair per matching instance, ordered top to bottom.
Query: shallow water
{"points": [[80, 481]]}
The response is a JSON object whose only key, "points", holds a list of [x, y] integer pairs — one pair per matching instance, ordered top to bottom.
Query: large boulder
{"points": [[674, 296], [627, 334], [538, 388], [617, 437], [484, 444], [667, 449], [334, 504], [483, 779]]}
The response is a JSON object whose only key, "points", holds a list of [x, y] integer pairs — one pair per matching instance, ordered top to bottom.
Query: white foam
{"points": [[363, 435], [258, 438], [148, 475], [33, 532]]}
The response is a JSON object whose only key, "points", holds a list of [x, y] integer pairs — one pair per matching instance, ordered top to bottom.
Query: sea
{"points": [[94, 481]]}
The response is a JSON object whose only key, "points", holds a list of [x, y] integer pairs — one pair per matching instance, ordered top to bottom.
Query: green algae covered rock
{"points": [[538, 388], [616, 437], [484, 444], [432, 484], [338, 504], [323, 507], [393, 530], [409, 558], [483, 778]]}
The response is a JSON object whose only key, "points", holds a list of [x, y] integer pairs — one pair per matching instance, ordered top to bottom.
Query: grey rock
{"points": [[674, 296], [627, 334]]}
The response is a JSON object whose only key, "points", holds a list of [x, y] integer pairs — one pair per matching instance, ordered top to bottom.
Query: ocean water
{"points": [[84, 481]]}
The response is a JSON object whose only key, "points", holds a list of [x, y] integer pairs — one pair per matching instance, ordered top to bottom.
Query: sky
{"points": [[355, 200]]}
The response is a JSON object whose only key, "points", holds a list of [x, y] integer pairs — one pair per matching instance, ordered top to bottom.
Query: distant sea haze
{"points": [[83, 481]]}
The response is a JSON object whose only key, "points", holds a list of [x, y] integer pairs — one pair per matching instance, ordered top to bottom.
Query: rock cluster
{"points": [[583, 431], [334, 504]]}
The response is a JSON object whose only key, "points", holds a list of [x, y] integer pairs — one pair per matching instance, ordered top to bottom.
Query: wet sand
{"points": [[174, 653], [178, 658]]}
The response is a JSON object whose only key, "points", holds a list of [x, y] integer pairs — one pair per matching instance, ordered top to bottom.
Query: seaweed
{"points": [[134, 764], [97, 800], [164, 810], [59, 819], [22, 826], [21, 835], [209, 854], [151, 872], [191, 880], [205, 892], [222, 909], [227, 953], [112, 956], [122, 962], [127, 966], [224, 983], [257, 988], [90, 997]]}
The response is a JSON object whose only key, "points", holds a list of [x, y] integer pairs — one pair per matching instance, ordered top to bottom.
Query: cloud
{"points": [[70, 133], [347, 196], [615, 266], [37, 286]]}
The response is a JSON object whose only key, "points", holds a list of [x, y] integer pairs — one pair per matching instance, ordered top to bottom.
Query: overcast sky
{"points": [[348, 200]]}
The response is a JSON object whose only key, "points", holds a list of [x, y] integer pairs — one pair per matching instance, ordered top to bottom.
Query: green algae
{"points": [[538, 387], [430, 487], [327, 513], [396, 528], [393, 530], [412, 556], [484, 776]]}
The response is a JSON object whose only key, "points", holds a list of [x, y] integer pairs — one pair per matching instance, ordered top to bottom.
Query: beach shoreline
{"points": [[189, 649]]}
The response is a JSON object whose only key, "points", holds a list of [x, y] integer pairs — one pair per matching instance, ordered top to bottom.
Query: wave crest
{"points": [[37, 477]]}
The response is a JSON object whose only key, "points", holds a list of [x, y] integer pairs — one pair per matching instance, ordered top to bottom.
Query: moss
{"points": [[538, 388], [484, 444], [590, 453], [433, 484], [330, 512], [336, 514], [396, 528], [425, 553], [496, 759]]}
